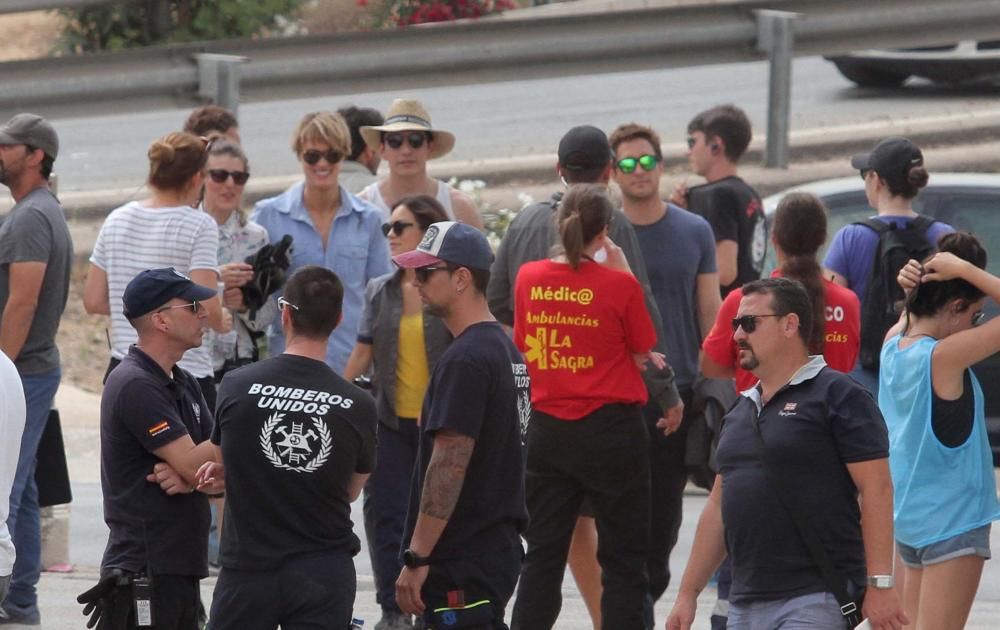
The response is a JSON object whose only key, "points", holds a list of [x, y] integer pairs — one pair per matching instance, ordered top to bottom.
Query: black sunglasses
{"points": [[416, 139], [312, 156], [629, 164], [219, 176], [396, 226], [424, 273], [193, 306], [749, 322]]}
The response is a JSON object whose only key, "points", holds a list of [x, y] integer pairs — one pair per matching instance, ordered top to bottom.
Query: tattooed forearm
{"points": [[445, 475]]}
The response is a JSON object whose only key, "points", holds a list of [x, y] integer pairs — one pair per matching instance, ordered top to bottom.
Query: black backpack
{"points": [[883, 299]]}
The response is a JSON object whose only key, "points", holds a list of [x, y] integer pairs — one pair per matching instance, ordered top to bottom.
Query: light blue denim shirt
{"points": [[356, 251]]}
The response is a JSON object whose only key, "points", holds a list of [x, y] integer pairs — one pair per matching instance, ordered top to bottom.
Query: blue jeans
{"points": [[24, 521]]}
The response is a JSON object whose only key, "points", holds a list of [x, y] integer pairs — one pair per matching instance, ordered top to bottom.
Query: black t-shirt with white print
{"points": [[479, 388], [292, 434]]}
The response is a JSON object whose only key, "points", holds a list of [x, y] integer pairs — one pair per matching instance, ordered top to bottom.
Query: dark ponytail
{"points": [[583, 214], [799, 230]]}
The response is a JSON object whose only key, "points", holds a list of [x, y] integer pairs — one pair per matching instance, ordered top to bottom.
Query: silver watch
{"points": [[881, 581]]}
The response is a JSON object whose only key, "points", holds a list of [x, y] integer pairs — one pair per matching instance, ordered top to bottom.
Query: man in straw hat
{"points": [[406, 141]]}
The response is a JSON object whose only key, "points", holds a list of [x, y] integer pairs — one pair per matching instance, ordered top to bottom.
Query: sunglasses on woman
{"points": [[415, 139], [312, 156], [629, 164], [219, 176], [396, 227], [749, 322]]}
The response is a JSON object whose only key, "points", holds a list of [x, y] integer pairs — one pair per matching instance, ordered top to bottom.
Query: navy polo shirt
{"points": [[143, 409], [815, 425]]}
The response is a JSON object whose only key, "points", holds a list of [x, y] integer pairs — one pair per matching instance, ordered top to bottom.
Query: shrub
{"points": [[407, 12]]}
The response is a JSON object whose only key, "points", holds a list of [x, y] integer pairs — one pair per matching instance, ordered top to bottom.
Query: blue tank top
{"points": [[939, 492]]}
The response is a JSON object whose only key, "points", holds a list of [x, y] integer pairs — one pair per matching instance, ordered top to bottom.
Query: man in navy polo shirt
{"points": [[155, 427], [824, 435]]}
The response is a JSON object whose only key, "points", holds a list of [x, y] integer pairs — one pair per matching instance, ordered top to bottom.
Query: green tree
{"points": [[133, 23]]}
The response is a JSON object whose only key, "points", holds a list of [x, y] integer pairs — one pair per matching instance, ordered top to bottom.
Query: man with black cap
{"points": [[584, 157], [36, 256], [866, 256], [155, 427], [467, 505]]}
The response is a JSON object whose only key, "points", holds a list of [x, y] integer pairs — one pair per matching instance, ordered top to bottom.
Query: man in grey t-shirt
{"points": [[36, 255]]}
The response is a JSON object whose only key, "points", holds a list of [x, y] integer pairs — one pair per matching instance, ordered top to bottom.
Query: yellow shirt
{"points": [[412, 374]]}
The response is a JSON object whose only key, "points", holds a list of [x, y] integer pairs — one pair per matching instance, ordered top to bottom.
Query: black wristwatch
{"points": [[412, 560]]}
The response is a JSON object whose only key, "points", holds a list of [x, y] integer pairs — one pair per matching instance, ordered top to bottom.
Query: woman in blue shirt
{"points": [[942, 468]]}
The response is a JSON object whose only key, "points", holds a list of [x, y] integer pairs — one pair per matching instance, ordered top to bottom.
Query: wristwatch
{"points": [[412, 560], [881, 581]]}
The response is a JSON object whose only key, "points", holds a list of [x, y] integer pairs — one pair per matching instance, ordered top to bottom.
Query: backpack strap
{"points": [[923, 223], [879, 227]]}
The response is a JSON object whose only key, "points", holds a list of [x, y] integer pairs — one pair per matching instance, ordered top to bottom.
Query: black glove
{"points": [[104, 604]]}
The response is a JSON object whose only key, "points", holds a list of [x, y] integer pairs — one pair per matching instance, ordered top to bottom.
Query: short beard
{"points": [[437, 310], [751, 362]]}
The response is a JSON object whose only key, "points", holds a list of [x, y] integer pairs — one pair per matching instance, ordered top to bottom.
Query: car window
{"points": [[843, 209], [976, 212]]}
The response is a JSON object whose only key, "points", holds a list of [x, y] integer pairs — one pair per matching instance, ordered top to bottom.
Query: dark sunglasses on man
{"points": [[415, 139], [312, 156], [629, 164], [219, 176], [397, 227], [194, 306], [749, 322]]}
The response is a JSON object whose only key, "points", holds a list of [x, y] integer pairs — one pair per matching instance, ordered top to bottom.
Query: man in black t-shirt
{"points": [[717, 139], [154, 428], [807, 439], [298, 443], [467, 506]]}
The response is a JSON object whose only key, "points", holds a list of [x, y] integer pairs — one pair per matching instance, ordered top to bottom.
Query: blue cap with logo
{"points": [[457, 243], [153, 288]]}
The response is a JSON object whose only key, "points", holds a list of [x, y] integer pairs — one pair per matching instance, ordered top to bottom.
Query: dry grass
{"points": [[335, 16], [29, 35]]}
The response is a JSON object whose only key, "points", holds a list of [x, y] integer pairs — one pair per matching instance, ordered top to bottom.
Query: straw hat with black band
{"points": [[409, 115]]}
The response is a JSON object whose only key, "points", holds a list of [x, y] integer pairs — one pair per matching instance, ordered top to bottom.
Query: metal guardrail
{"points": [[19, 6], [494, 50]]}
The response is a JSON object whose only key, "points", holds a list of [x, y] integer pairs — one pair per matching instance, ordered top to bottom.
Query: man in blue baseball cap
{"points": [[155, 425], [467, 511]]}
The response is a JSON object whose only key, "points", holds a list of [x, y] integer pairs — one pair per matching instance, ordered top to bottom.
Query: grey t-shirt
{"points": [[35, 230], [678, 248]]}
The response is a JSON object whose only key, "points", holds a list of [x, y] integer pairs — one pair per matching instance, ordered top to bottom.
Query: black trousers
{"points": [[604, 457], [668, 477], [471, 583], [308, 591], [176, 604]]}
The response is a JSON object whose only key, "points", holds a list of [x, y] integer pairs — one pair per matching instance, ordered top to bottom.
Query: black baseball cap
{"points": [[31, 129], [583, 148], [892, 158], [153, 288]]}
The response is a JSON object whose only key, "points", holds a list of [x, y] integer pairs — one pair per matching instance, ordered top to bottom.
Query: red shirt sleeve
{"points": [[719, 344]]}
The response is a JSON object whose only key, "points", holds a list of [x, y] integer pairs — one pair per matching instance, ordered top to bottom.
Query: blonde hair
{"points": [[323, 127], [174, 159]]}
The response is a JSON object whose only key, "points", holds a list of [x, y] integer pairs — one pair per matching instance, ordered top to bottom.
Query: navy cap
{"points": [[583, 148], [892, 159], [457, 243], [153, 288]]}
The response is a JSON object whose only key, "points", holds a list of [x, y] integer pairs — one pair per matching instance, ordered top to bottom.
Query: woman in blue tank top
{"points": [[939, 454]]}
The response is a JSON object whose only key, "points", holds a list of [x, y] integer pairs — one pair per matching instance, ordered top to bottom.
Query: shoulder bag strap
{"points": [[834, 582]]}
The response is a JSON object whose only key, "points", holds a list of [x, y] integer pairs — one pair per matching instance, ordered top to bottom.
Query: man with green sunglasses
{"points": [[678, 248]]}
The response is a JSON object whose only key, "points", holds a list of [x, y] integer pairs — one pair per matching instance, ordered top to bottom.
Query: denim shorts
{"points": [[975, 542]]}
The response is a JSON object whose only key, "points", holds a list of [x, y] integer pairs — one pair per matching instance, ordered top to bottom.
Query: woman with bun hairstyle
{"points": [[894, 173], [165, 230], [797, 233], [584, 330], [942, 468]]}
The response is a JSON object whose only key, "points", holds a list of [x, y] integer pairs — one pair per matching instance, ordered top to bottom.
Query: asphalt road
{"points": [[515, 118]]}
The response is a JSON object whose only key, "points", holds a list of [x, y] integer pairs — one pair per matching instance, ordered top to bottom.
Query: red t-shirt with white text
{"points": [[578, 330], [842, 333]]}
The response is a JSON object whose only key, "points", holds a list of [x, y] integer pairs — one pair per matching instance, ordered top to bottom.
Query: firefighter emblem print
{"points": [[299, 446]]}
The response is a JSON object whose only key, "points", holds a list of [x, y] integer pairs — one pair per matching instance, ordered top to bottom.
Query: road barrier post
{"points": [[776, 37], [219, 79]]}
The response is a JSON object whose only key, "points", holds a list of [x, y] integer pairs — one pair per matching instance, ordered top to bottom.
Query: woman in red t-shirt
{"points": [[798, 232], [581, 324]]}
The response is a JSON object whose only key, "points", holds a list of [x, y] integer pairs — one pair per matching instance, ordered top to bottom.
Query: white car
{"points": [[966, 201]]}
